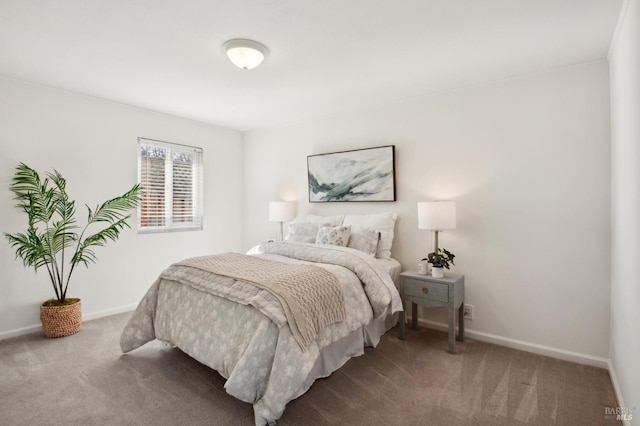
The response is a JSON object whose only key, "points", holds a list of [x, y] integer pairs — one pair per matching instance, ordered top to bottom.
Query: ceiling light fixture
{"points": [[245, 54]]}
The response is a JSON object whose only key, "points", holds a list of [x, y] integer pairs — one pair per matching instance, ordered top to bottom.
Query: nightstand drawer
{"points": [[425, 289]]}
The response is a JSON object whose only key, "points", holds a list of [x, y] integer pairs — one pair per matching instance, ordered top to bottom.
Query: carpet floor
{"points": [[84, 379]]}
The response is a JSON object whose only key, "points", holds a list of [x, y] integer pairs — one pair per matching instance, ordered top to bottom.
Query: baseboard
{"points": [[108, 312], [85, 317], [20, 331], [525, 346], [618, 392]]}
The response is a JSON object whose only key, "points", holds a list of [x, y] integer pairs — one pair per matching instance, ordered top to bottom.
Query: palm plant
{"points": [[52, 225]]}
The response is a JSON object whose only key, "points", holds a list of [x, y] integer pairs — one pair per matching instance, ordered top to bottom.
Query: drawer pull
{"points": [[425, 290]]}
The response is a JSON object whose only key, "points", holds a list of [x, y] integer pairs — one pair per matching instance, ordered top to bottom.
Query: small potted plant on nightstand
{"points": [[439, 260]]}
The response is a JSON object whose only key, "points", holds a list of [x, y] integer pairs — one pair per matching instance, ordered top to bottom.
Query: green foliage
{"points": [[52, 230], [441, 258]]}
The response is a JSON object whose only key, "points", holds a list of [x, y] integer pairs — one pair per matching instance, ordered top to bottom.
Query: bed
{"points": [[239, 330]]}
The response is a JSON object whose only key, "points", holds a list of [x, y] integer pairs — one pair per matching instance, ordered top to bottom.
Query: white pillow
{"points": [[322, 220], [383, 222], [302, 232], [334, 235], [364, 239], [383, 250]]}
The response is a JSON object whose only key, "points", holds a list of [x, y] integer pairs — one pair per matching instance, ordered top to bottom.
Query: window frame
{"points": [[171, 225]]}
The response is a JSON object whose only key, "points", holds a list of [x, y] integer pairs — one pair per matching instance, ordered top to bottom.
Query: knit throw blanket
{"points": [[311, 297]]}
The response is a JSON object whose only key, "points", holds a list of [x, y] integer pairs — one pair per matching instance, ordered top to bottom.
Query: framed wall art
{"points": [[357, 175]]}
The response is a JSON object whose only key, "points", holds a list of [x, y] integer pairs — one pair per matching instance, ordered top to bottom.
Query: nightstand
{"points": [[429, 292]]}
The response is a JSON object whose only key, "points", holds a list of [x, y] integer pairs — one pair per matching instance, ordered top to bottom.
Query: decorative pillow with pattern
{"points": [[335, 235], [364, 239]]}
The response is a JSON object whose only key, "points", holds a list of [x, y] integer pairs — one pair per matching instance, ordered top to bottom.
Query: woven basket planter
{"points": [[60, 321]]}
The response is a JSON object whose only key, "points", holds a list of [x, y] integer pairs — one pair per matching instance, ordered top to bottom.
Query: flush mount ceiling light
{"points": [[245, 54]]}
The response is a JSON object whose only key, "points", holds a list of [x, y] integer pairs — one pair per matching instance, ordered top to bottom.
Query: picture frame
{"points": [[360, 175]]}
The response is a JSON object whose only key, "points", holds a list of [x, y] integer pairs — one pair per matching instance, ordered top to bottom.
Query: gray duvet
{"points": [[243, 337]]}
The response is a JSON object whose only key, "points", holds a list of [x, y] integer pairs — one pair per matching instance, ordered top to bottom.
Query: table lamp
{"points": [[281, 211], [436, 216]]}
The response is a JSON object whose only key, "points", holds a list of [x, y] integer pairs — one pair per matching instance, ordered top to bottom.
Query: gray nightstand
{"points": [[429, 292]]}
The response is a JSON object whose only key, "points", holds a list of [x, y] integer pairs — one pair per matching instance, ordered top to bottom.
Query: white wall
{"points": [[93, 143], [528, 162], [625, 209]]}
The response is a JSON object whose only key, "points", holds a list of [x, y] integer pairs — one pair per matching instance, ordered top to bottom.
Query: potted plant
{"points": [[52, 240], [439, 260]]}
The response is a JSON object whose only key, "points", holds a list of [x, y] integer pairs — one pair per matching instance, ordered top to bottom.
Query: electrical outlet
{"points": [[468, 312]]}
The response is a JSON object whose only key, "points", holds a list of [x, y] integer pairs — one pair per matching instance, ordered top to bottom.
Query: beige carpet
{"points": [[85, 380]]}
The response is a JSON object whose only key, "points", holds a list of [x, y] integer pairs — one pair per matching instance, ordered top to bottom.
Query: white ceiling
{"points": [[326, 56]]}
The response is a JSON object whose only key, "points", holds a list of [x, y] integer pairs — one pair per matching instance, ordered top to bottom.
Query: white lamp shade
{"points": [[245, 54], [280, 211], [437, 215]]}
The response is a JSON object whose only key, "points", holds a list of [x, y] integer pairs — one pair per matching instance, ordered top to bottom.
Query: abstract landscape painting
{"points": [[359, 175]]}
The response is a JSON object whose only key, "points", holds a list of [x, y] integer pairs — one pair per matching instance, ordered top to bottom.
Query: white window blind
{"points": [[171, 180]]}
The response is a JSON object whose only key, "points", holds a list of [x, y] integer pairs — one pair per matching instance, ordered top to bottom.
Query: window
{"points": [[171, 180]]}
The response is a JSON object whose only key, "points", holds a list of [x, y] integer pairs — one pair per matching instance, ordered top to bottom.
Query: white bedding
{"points": [[261, 361]]}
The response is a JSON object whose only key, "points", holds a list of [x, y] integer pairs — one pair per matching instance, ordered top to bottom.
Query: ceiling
{"points": [[326, 56]]}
